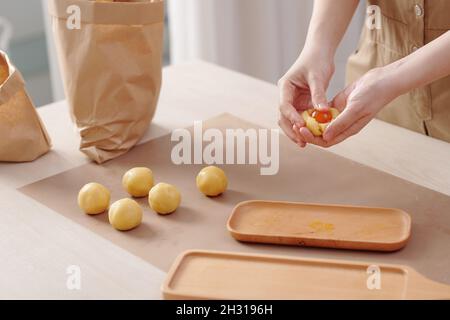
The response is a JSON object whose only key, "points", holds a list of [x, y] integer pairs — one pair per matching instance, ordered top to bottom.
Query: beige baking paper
{"points": [[111, 69], [23, 136], [310, 175]]}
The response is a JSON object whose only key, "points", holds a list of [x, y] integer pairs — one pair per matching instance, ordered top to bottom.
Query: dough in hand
{"points": [[4, 70], [318, 128], [138, 181], [212, 181], [94, 198], [164, 198], [125, 214]]}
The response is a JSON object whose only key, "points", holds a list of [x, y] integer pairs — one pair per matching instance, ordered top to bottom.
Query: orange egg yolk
{"points": [[322, 116]]}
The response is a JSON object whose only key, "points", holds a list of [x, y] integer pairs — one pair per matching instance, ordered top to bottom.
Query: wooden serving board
{"points": [[307, 175], [319, 225], [222, 275]]}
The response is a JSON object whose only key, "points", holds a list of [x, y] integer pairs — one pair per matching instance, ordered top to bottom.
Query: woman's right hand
{"points": [[304, 87]]}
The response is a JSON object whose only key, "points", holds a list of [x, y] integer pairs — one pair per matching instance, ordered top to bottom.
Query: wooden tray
{"points": [[318, 225], [222, 275]]}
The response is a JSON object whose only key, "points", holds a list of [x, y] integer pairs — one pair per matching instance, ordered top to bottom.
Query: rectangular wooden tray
{"points": [[318, 225], [222, 275]]}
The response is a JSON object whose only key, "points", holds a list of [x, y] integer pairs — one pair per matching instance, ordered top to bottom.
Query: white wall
{"points": [[25, 15], [261, 38], [347, 46], [27, 48], [55, 74]]}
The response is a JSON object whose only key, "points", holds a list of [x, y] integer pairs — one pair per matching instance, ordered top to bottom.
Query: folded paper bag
{"points": [[111, 62], [23, 136]]}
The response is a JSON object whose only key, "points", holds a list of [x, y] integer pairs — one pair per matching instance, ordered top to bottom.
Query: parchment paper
{"points": [[311, 175]]}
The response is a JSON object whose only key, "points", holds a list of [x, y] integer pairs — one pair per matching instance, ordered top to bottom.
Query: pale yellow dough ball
{"points": [[316, 128], [138, 181], [212, 181], [94, 198], [164, 198], [125, 214]]}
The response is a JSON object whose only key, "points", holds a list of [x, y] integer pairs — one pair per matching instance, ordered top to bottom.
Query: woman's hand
{"points": [[305, 84], [304, 87], [361, 101], [358, 103]]}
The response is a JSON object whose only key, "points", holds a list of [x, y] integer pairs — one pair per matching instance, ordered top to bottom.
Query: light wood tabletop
{"points": [[39, 245]]}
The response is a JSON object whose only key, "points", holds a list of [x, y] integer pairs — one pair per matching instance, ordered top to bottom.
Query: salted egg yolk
{"points": [[322, 116]]}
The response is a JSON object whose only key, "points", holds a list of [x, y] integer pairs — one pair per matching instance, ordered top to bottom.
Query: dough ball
{"points": [[4, 70], [317, 128], [138, 181], [212, 181], [94, 198], [164, 198], [125, 214]]}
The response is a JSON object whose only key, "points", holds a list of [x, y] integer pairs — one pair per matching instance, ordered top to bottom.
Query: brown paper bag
{"points": [[111, 69], [23, 136]]}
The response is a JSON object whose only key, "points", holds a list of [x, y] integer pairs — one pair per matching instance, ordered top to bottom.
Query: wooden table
{"points": [[37, 245]]}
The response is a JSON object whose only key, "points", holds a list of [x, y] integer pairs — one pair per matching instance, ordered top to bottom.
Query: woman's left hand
{"points": [[358, 103]]}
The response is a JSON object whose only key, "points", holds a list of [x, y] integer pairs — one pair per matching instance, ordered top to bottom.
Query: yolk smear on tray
{"points": [[320, 226]]}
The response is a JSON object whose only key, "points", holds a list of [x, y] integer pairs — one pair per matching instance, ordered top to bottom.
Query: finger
{"points": [[287, 91], [318, 94], [340, 100], [303, 101], [291, 114], [345, 120], [286, 126], [351, 131], [297, 132], [310, 138], [301, 141]]}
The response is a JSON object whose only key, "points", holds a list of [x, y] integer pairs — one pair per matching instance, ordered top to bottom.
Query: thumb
{"points": [[318, 94], [340, 100], [344, 120]]}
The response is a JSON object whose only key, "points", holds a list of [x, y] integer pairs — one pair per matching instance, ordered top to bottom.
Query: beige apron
{"points": [[406, 25]]}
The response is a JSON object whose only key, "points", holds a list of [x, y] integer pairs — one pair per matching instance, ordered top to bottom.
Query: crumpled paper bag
{"points": [[111, 67], [23, 135]]}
